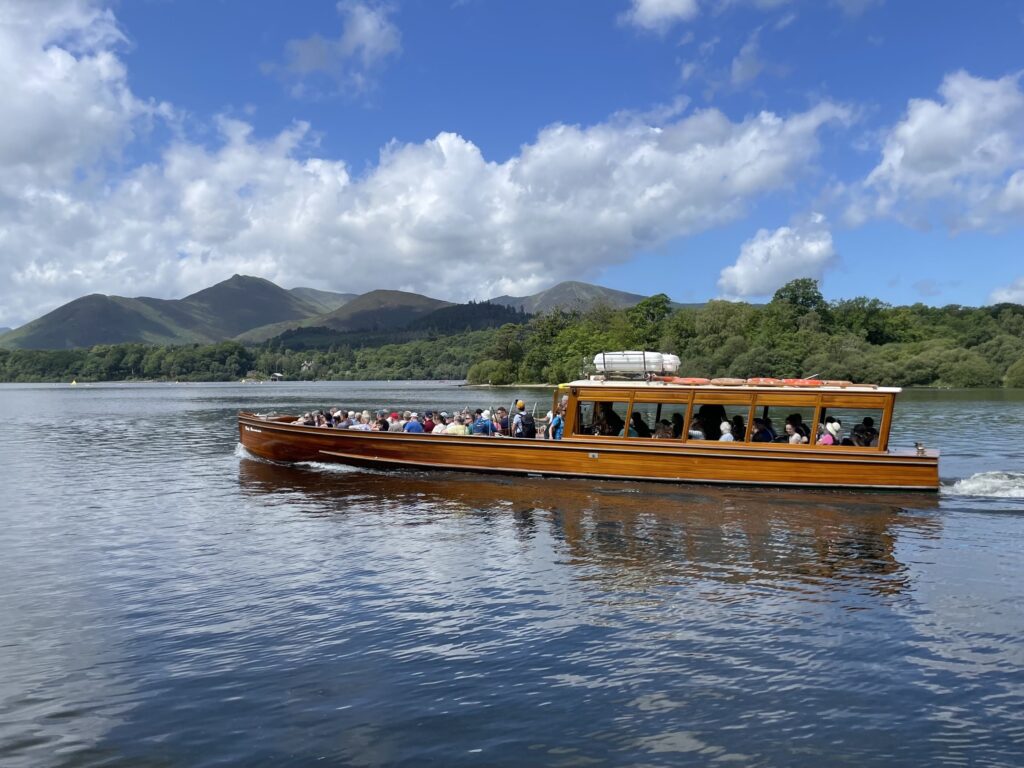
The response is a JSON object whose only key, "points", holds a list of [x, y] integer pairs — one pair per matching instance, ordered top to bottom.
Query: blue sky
{"points": [[704, 148]]}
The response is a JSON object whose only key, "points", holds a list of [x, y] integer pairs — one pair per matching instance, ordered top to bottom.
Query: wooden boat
{"points": [[622, 454]]}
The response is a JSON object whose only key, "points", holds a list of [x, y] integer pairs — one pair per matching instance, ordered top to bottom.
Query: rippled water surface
{"points": [[167, 601]]}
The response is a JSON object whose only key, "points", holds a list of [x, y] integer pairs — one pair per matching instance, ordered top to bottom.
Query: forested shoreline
{"points": [[796, 334]]}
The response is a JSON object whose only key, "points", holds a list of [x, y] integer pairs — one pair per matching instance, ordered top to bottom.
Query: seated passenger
{"points": [[608, 421], [394, 422], [797, 422], [381, 424], [413, 424], [441, 424], [363, 425], [484, 425], [639, 425], [677, 425], [457, 426], [739, 429], [869, 429], [663, 430], [696, 431], [760, 432], [833, 432], [860, 436], [726, 437], [793, 437]]}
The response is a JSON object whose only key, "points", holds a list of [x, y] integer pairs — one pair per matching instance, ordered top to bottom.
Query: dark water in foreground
{"points": [[165, 601]]}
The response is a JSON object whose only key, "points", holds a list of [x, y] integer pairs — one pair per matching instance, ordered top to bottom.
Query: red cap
{"points": [[394, 414]]}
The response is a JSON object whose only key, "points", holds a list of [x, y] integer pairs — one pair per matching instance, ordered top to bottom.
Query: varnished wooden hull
{"points": [[759, 464]]}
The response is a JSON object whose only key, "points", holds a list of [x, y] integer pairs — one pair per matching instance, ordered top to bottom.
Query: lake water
{"points": [[167, 601]]}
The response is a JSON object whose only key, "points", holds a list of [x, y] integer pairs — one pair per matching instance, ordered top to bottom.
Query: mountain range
{"points": [[252, 310]]}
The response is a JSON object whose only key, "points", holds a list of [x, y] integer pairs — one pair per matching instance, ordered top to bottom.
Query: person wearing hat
{"points": [[394, 422], [413, 424], [484, 425], [833, 432]]}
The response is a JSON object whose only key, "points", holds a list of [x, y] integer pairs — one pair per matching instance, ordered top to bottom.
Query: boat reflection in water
{"points": [[638, 534]]}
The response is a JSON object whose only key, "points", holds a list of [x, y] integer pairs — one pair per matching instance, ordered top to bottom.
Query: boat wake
{"points": [[242, 453], [321, 466], [1003, 485]]}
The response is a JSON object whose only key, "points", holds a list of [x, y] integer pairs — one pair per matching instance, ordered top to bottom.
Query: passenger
{"points": [[711, 417], [302, 420], [502, 420], [394, 422], [428, 422], [610, 422], [797, 422], [381, 424], [413, 424], [441, 424], [523, 424], [363, 425], [484, 425], [557, 425], [639, 425], [677, 425], [458, 426], [869, 428], [739, 429], [771, 429], [663, 430], [632, 431], [696, 431], [760, 432], [833, 432], [860, 436], [726, 437], [793, 437]]}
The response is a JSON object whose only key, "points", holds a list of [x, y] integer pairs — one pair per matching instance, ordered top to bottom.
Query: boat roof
{"points": [[633, 384]]}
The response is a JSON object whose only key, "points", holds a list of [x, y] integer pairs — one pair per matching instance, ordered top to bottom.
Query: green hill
{"points": [[570, 295], [324, 301], [378, 310], [214, 314]]}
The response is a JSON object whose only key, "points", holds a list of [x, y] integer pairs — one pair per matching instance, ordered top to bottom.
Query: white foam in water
{"points": [[325, 467], [1005, 485]]}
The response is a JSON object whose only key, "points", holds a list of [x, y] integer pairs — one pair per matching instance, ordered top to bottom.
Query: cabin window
{"points": [[601, 417], [708, 420], [665, 421], [779, 424], [857, 426]]}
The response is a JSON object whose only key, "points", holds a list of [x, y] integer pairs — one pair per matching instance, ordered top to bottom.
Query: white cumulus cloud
{"points": [[660, 15], [368, 39], [960, 157], [435, 216], [771, 259], [1012, 293]]}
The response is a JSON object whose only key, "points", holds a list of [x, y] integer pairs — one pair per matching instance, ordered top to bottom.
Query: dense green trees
{"points": [[796, 334]]}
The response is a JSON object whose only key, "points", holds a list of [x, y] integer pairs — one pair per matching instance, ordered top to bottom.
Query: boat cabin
{"points": [[695, 414]]}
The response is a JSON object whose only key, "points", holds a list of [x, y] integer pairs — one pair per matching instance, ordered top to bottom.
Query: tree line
{"points": [[796, 334]]}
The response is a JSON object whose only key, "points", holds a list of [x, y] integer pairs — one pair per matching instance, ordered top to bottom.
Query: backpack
{"points": [[529, 426]]}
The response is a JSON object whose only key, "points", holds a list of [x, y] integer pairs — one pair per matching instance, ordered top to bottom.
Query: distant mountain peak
{"points": [[570, 294]]}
